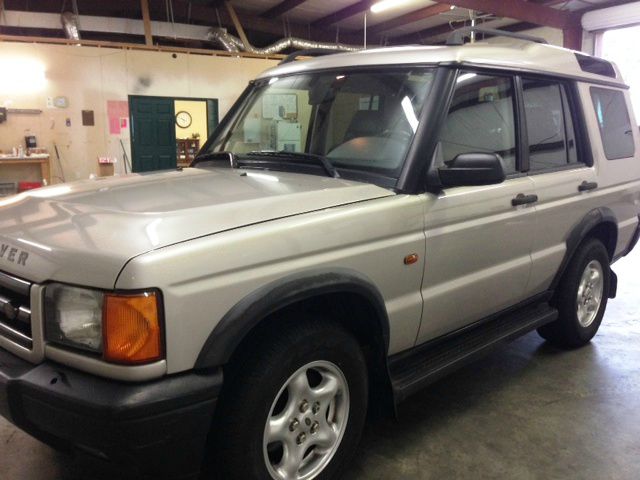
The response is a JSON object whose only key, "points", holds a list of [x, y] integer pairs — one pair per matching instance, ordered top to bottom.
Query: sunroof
{"points": [[595, 65]]}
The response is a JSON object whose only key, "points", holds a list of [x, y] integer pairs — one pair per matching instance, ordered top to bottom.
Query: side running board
{"points": [[413, 370]]}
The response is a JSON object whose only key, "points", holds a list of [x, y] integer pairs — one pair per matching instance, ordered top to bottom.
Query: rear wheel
{"points": [[581, 297], [295, 406]]}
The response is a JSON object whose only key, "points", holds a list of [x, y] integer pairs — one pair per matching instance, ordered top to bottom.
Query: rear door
{"points": [[153, 134], [560, 165], [478, 243]]}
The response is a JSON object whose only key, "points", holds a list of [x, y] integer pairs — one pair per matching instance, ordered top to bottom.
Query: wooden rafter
{"points": [[281, 8], [519, 10], [343, 14], [411, 17], [146, 19], [236, 23]]}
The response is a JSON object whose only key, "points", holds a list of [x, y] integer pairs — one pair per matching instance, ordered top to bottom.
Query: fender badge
{"points": [[13, 254]]}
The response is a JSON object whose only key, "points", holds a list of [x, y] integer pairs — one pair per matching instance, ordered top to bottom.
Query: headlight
{"points": [[73, 317], [123, 327]]}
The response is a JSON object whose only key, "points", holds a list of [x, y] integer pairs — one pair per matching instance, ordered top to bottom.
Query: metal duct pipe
{"points": [[70, 25], [232, 43]]}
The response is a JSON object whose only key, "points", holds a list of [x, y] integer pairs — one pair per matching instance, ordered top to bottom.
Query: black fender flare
{"points": [[579, 232], [253, 308]]}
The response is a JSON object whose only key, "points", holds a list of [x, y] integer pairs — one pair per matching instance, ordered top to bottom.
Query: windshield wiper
{"points": [[324, 161]]}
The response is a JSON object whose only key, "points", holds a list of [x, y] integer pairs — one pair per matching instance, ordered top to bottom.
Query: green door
{"points": [[153, 133]]}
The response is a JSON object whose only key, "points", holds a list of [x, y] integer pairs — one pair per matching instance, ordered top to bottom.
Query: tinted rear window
{"points": [[613, 120]]}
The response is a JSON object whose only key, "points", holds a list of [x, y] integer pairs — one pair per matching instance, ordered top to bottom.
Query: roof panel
{"points": [[519, 55]]}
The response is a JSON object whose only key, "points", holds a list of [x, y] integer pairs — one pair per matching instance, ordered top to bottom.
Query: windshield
{"points": [[360, 122]]}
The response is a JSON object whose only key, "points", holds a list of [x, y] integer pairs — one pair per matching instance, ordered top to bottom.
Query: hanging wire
{"points": [[189, 12], [218, 16]]}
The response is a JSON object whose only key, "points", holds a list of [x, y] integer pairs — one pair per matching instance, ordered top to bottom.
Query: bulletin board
{"points": [[271, 104]]}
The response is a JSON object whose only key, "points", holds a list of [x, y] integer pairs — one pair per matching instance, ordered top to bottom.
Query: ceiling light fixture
{"points": [[383, 5]]}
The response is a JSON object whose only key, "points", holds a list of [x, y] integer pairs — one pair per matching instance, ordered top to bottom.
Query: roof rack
{"points": [[457, 36], [309, 52]]}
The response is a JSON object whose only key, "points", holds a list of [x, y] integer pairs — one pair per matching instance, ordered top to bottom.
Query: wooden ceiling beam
{"points": [[281, 8], [518, 10], [343, 14], [411, 17], [146, 19]]}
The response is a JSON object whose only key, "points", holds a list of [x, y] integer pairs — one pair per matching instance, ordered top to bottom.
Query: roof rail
{"points": [[457, 36], [309, 52]]}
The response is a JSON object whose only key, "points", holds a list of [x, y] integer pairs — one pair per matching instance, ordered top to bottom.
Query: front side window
{"points": [[480, 120], [613, 120], [358, 121], [550, 129]]}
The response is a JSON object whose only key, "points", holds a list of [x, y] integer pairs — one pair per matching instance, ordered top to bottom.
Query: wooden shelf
{"points": [[186, 149]]}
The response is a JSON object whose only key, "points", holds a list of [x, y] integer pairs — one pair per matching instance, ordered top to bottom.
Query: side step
{"points": [[413, 370]]}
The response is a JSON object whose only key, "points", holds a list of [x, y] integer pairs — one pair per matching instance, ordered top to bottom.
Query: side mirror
{"points": [[472, 169]]}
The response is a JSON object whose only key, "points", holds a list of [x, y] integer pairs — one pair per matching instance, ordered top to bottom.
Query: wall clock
{"points": [[183, 119]]}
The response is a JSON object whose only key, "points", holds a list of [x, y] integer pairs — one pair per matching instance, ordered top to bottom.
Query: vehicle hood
{"points": [[84, 232]]}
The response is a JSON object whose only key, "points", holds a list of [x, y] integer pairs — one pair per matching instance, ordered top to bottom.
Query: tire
{"points": [[578, 322], [269, 383]]}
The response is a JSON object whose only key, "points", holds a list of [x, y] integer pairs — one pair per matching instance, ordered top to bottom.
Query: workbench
{"points": [[37, 159]]}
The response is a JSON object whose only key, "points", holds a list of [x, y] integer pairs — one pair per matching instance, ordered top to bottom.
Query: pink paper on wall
{"points": [[117, 109], [114, 125]]}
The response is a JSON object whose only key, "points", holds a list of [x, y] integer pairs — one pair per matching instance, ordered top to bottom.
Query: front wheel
{"points": [[581, 297], [295, 408]]}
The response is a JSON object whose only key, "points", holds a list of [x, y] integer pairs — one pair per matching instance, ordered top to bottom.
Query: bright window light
{"points": [[387, 4], [617, 47], [21, 75], [466, 76]]}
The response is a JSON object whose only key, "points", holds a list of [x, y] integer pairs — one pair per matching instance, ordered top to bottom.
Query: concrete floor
{"points": [[528, 411]]}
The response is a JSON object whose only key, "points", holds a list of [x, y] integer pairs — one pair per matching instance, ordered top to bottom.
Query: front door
{"points": [[153, 136], [478, 243]]}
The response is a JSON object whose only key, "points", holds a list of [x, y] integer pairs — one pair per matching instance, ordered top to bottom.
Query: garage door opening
{"points": [[618, 46]]}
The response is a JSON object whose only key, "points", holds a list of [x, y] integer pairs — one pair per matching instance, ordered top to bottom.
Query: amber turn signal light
{"points": [[131, 328]]}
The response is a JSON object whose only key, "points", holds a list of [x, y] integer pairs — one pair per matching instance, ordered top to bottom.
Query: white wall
{"points": [[89, 77]]}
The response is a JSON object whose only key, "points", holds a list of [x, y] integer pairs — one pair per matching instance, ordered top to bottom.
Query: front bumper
{"points": [[155, 429]]}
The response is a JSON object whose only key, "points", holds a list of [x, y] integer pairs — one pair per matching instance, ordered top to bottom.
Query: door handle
{"points": [[586, 186], [522, 199]]}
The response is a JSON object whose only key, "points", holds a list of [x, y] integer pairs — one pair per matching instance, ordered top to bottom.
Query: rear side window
{"points": [[480, 119], [613, 120], [550, 129]]}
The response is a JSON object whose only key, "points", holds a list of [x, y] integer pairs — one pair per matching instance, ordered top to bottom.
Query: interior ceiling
{"points": [[412, 21]]}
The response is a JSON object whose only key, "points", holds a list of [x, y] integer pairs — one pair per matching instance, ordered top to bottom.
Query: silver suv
{"points": [[358, 226]]}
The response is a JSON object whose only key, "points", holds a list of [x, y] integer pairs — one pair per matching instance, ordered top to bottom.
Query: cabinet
{"points": [[187, 148]]}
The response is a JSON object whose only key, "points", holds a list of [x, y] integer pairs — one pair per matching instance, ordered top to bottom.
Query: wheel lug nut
{"points": [[304, 406], [316, 408], [294, 424], [314, 428], [301, 438]]}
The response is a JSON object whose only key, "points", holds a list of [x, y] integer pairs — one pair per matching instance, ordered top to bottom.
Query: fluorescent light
{"points": [[383, 5], [21, 75], [466, 76], [409, 113]]}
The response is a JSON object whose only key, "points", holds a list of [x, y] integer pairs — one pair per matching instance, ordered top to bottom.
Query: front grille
{"points": [[15, 310]]}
